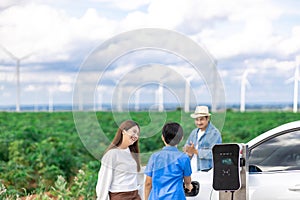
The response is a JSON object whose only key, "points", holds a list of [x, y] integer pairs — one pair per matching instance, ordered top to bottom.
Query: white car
{"points": [[274, 167]]}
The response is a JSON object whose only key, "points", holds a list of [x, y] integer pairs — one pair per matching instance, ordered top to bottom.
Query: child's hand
{"points": [[189, 187]]}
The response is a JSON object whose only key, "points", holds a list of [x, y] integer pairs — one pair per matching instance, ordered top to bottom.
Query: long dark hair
{"points": [[134, 148]]}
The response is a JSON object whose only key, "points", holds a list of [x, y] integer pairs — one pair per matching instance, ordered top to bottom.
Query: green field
{"points": [[42, 153]]}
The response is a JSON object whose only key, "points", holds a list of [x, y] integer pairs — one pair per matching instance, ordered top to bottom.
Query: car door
{"points": [[274, 167]]}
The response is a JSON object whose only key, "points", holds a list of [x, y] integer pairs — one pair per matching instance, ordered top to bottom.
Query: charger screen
{"points": [[227, 161]]}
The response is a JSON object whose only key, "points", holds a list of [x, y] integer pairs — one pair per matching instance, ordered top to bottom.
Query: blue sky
{"points": [[57, 36]]}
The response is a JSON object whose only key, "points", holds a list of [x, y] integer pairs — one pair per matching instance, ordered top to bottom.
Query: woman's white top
{"points": [[118, 173]]}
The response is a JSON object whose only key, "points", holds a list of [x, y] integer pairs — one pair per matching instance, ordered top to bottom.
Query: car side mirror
{"points": [[195, 190]]}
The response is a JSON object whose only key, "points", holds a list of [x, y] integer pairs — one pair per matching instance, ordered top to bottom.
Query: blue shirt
{"points": [[206, 142], [167, 169]]}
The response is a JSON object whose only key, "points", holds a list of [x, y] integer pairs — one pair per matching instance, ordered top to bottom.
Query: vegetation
{"points": [[43, 157]]}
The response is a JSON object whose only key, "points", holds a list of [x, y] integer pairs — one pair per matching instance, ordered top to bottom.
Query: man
{"points": [[201, 140]]}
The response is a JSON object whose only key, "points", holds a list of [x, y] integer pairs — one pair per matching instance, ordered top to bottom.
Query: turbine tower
{"points": [[18, 61], [296, 80], [244, 83], [51, 90], [187, 94], [80, 95], [120, 96], [160, 98], [99, 99], [50, 100], [137, 100]]}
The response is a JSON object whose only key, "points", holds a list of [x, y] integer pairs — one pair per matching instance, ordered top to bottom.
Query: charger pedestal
{"points": [[231, 171], [242, 193]]}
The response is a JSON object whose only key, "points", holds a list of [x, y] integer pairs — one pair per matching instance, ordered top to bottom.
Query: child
{"points": [[167, 168]]}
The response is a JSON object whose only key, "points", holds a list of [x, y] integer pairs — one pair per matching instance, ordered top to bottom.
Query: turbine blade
{"points": [[8, 53], [26, 56]]}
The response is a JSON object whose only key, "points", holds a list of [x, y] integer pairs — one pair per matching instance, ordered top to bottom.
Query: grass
{"points": [[42, 153]]}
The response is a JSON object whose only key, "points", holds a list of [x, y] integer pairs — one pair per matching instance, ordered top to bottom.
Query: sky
{"points": [[53, 40]]}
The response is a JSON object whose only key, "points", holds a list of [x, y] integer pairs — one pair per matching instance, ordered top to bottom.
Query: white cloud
{"points": [[8, 3], [125, 5], [167, 13], [134, 20], [91, 26], [228, 28], [244, 28], [34, 29], [233, 31], [49, 34], [52, 35], [291, 44], [264, 66], [7, 75], [32, 88], [65, 88]]}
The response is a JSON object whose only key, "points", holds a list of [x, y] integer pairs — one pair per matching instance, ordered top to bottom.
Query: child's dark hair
{"points": [[172, 133]]}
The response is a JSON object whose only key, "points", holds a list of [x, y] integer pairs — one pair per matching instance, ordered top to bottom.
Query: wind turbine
{"points": [[18, 61], [296, 79], [244, 83], [60, 85], [33, 88], [51, 89], [187, 93], [80, 95], [120, 96], [160, 98], [50, 99], [99, 100], [137, 100]]}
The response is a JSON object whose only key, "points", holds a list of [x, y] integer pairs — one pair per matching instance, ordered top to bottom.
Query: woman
{"points": [[117, 178]]}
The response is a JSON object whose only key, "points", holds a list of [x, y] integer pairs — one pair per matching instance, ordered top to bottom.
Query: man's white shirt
{"points": [[194, 157]]}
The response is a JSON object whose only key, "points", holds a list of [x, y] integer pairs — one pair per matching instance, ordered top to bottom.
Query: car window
{"points": [[278, 153]]}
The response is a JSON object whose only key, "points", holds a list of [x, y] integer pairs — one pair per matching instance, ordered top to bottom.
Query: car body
{"points": [[274, 167]]}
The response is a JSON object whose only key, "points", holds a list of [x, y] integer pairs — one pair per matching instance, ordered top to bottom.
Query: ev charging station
{"points": [[230, 171]]}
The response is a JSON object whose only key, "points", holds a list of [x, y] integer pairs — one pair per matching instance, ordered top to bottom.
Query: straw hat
{"points": [[200, 111]]}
